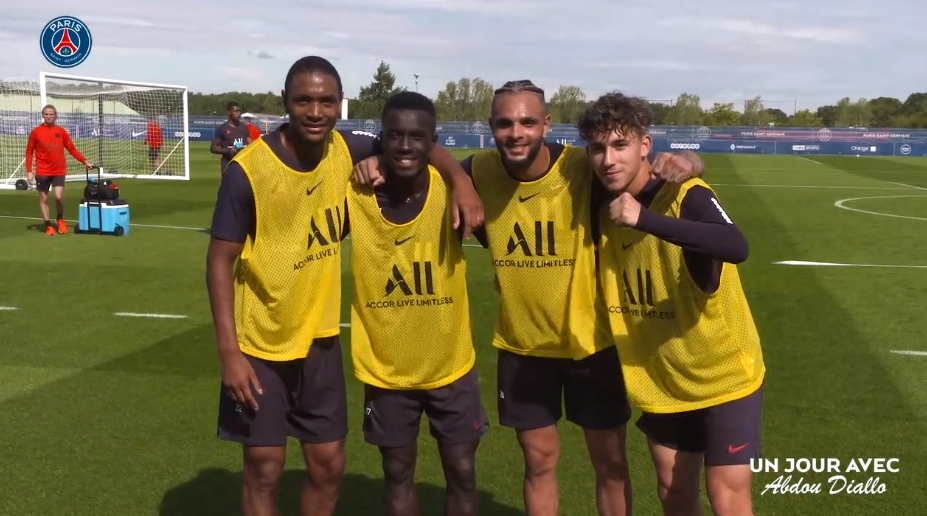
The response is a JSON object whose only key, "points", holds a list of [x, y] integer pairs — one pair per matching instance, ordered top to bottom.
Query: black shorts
{"points": [[154, 153], [44, 183], [533, 390], [304, 399], [455, 413], [728, 434]]}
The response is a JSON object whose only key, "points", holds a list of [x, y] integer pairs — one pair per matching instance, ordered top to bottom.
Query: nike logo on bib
{"points": [[310, 190], [525, 199], [400, 242], [626, 246]]}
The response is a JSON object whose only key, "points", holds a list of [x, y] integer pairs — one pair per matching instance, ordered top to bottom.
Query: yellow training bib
{"points": [[542, 250], [289, 273], [410, 317], [681, 349]]}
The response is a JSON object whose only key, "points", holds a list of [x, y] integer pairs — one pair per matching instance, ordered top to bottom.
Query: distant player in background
{"points": [[252, 129], [231, 136], [155, 140], [48, 142], [688, 343], [419, 358]]}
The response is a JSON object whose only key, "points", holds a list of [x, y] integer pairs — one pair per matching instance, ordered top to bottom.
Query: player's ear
{"points": [[646, 145]]}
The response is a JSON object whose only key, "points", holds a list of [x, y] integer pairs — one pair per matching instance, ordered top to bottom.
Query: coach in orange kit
{"points": [[48, 142]]}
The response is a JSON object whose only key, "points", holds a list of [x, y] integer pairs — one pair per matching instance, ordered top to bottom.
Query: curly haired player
{"points": [[688, 344]]}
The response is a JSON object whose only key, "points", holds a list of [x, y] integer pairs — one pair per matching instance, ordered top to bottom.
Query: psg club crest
{"points": [[66, 42]]}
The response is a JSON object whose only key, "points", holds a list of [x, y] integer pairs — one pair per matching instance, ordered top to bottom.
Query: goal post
{"points": [[130, 129]]}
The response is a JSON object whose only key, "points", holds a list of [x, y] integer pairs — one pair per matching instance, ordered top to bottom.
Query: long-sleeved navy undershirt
{"points": [[705, 232]]}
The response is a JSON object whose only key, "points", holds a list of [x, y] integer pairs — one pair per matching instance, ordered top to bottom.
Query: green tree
{"points": [[372, 98], [467, 99], [567, 105], [687, 110], [886, 111], [661, 112], [755, 113], [721, 115], [828, 115], [777, 116], [806, 118]]}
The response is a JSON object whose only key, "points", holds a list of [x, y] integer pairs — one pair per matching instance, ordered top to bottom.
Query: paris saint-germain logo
{"points": [[66, 42]]}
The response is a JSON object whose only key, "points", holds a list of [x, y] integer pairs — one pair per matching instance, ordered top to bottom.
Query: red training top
{"points": [[254, 132], [155, 137], [48, 144]]}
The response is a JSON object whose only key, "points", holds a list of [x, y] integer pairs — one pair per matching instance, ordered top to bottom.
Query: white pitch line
{"points": [[811, 160], [812, 186], [909, 186], [842, 205], [186, 228], [828, 264], [8, 308], [153, 316], [909, 352]]}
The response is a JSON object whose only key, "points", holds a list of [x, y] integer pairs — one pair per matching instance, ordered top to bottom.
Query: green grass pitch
{"points": [[106, 415]]}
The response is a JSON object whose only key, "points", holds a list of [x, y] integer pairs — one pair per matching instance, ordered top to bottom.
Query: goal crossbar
{"points": [[114, 114]]}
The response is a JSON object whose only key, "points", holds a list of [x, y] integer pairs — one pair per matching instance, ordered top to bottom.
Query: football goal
{"points": [[130, 129]]}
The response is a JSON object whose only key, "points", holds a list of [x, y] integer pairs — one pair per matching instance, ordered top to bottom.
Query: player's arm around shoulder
{"points": [[467, 166], [678, 168]]}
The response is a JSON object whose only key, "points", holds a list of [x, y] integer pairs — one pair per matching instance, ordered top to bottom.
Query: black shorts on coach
{"points": [[45, 183], [533, 391], [304, 399]]}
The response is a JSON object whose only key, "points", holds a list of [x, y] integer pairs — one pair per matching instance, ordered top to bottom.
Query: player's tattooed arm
{"points": [[676, 168]]}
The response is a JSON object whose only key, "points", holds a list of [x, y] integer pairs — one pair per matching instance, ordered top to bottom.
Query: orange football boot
{"points": [[62, 226], [50, 230]]}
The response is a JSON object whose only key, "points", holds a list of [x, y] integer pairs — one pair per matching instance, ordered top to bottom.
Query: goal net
{"points": [[129, 129]]}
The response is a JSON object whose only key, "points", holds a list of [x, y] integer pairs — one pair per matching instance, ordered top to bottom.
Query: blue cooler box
{"points": [[107, 217]]}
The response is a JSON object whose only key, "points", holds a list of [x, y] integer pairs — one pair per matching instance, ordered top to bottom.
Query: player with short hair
{"points": [[154, 137], [231, 137], [47, 143], [279, 215], [410, 318], [688, 343]]}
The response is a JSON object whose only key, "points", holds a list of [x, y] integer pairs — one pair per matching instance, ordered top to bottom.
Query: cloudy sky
{"points": [[788, 51]]}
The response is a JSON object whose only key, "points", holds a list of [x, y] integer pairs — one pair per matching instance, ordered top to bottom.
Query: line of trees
{"points": [[470, 99]]}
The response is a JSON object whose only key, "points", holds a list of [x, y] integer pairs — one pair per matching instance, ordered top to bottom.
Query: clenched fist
{"points": [[625, 210]]}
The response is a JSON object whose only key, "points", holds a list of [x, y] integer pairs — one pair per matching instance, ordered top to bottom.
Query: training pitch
{"points": [[109, 377]]}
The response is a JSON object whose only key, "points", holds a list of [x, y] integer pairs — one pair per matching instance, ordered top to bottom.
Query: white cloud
{"points": [[792, 52]]}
